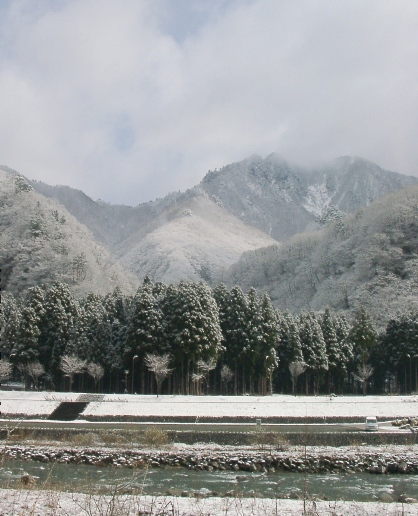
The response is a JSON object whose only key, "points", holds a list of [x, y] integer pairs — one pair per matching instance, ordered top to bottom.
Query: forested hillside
{"points": [[40, 242], [368, 258]]}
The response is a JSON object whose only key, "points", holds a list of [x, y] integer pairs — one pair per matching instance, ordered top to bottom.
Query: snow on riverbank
{"points": [[116, 405], [49, 502]]}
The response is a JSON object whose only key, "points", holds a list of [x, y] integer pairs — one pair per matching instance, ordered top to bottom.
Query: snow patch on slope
{"points": [[318, 198]]}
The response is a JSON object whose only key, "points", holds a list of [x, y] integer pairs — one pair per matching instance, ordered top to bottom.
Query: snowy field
{"points": [[44, 403], [55, 503]]}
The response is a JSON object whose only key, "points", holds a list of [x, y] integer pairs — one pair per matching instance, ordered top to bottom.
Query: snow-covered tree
{"points": [[21, 185], [61, 312], [10, 315], [191, 327], [144, 332], [235, 332], [363, 336], [268, 344], [26, 348], [400, 348], [314, 349], [335, 357], [71, 365], [159, 365], [204, 367], [296, 368], [6, 369], [35, 370], [96, 371], [363, 374], [226, 377]]}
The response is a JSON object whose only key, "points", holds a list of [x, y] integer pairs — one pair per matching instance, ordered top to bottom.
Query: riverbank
{"points": [[263, 458], [29, 502]]}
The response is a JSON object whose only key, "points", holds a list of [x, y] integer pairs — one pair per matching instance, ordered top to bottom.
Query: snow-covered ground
{"points": [[33, 403], [43, 404], [50, 502]]}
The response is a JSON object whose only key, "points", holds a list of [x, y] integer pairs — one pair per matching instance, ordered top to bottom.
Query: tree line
{"points": [[188, 338]]}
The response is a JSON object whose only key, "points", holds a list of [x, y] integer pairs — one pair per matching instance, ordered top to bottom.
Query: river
{"points": [[157, 481]]}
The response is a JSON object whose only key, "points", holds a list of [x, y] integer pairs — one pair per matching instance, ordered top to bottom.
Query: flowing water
{"points": [[156, 481]]}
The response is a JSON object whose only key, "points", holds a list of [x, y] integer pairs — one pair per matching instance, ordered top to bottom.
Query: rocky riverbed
{"points": [[397, 460]]}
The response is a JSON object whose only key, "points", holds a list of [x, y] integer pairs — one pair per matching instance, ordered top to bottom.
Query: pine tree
{"points": [[117, 308], [10, 314], [59, 320], [191, 326], [342, 330], [144, 332], [235, 333], [363, 336], [270, 339], [26, 348], [290, 348], [400, 348], [314, 349], [250, 354], [335, 358]]}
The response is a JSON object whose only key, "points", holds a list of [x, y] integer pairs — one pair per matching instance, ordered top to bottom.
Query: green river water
{"points": [[161, 481]]}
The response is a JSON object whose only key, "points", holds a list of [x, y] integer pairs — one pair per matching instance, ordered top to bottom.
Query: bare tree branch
{"points": [[158, 364], [71, 365], [6, 369], [296, 369], [35, 370], [96, 371], [364, 372]]}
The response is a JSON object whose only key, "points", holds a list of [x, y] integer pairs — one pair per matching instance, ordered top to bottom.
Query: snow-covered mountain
{"points": [[283, 200], [244, 206], [41, 242], [367, 258]]}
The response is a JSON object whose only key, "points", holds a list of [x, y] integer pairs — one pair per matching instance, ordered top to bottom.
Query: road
{"points": [[196, 427]]}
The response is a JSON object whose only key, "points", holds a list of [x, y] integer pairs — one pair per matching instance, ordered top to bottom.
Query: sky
{"points": [[129, 100]]}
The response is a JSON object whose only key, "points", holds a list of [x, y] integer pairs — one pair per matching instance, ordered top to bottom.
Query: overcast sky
{"points": [[129, 100]]}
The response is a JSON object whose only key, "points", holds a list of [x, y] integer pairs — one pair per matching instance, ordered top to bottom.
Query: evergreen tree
{"points": [[117, 308], [61, 312], [10, 315], [191, 325], [342, 330], [144, 332], [235, 333], [363, 336], [270, 339], [400, 346], [290, 347], [26, 348], [314, 349], [250, 354], [335, 358]]}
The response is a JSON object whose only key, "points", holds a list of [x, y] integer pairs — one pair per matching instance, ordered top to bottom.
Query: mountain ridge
{"points": [[198, 234]]}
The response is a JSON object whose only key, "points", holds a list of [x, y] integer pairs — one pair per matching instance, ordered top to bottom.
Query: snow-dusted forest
{"points": [[41, 242], [366, 258], [71, 320], [187, 338]]}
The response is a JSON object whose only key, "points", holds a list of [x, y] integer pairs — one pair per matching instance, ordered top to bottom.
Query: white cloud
{"points": [[130, 100]]}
